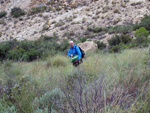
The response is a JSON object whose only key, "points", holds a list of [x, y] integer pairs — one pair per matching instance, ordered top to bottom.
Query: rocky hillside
{"points": [[69, 19]]}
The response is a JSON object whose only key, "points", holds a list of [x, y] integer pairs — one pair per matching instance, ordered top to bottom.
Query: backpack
{"points": [[82, 52]]}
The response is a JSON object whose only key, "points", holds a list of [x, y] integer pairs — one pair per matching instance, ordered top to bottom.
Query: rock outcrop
{"points": [[70, 21], [88, 46]]}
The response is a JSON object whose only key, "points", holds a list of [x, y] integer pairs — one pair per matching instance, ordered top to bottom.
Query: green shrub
{"points": [[126, 1], [52, 2], [136, 3], [74, 6], [65, 7], [58, 8], [49, 9], [87, 9], [105, 9], [36, 10], [116, 11], [17, 12], [2, 14], [20, 19], [69, 19], [83, 20], [116, 21], [2, 22], [53, 22], [145, 22], [61, 23], [136, 26], [45, 28], [89, 29], [97, 29], [121, 29], [0, 34], [141, 35], [82, 39], [117, 39], [126, 39], [64, 45], [101, 45], [4, 48], [118, 48], [115, 49], [29, 50], [15, 54], [59, 62], [7, 64], [21, 92], [48, 99], [5, 108]]}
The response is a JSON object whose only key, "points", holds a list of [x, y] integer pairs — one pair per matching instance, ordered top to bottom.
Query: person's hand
{"points": [[71, 55]]}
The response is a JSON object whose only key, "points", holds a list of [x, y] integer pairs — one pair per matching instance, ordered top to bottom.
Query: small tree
{"points": [[141, 35]]}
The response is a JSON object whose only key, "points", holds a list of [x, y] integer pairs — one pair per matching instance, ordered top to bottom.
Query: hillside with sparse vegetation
{"points": [[36, 76]]}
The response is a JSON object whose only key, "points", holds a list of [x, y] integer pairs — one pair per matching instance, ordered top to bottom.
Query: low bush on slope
{"points": [[17, 12], [2, 14]]}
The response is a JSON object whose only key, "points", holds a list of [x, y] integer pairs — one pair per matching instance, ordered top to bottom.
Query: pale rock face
{"points": [[137, 1], [24, 4], [46, 15], [31, 26], [88, 46]]}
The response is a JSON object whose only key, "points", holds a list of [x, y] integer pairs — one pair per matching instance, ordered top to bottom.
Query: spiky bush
{"points": [[58, 9], [36, 10], [17, 12], [2, 14], [97, 29]]}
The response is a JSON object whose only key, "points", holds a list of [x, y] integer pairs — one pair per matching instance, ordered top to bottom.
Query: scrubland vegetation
{"points": [[39, 49], [37, 76], [105, 82]]}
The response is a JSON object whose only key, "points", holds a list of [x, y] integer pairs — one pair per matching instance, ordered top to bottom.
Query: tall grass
{"points": [[122, 77]]}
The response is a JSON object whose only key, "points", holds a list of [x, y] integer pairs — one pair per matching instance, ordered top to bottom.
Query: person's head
{"points": [[71, 43]]}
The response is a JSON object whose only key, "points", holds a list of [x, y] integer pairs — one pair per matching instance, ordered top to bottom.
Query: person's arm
{"points": [[69, 53], [79, 53]]}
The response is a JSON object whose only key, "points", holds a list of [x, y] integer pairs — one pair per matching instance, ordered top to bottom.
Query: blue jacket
{"points": [[74, 52]]}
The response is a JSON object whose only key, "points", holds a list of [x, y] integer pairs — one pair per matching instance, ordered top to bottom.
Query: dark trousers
{"points": [[77, 63]]}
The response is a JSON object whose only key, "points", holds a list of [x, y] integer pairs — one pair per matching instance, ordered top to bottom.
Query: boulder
{"points": [[75, 13], [88, 46]]}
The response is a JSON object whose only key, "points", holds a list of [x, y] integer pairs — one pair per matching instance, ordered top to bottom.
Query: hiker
{"points": [[75, 50]]}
